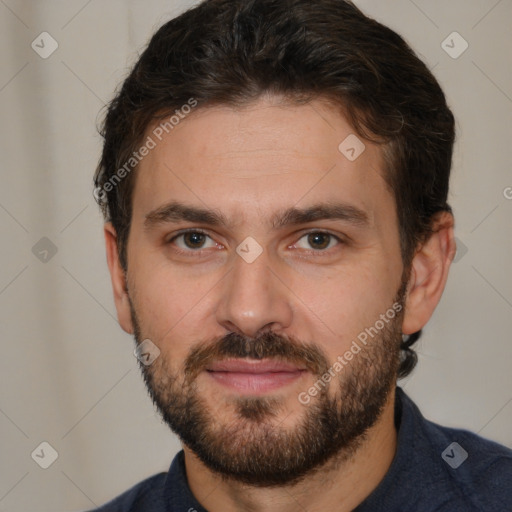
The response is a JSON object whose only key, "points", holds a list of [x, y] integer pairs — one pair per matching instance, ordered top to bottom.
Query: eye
{"points": [[193, 240], [318, 241]]}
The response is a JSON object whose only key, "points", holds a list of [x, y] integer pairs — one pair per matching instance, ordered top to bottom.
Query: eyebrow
{"points": [[324, 211], [176, 212]]}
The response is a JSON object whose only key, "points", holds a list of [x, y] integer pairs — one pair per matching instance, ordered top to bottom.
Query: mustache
{"points": [[268, 345]]}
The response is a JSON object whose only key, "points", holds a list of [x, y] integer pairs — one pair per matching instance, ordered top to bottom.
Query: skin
{"points": [[249, 164]]}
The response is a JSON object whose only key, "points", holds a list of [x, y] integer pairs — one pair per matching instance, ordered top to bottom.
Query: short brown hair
{"points": [[232, 51]]}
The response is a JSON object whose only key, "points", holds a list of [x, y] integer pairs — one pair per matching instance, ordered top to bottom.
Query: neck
{"points": [[340, 485]]}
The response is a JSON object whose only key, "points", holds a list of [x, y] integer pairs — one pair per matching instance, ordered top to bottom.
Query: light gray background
{"points": [[67, 370]]}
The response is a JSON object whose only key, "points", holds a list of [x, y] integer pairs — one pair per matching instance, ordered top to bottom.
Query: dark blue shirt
{"points": [[434, 469]]}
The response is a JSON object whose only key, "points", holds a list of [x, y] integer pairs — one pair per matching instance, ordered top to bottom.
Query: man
{"points": [[274, 179]]}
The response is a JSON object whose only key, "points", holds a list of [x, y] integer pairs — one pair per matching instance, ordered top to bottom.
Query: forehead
{"points": [[261, 157]]}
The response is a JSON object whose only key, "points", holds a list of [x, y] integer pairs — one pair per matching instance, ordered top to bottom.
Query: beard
{"points": [[255, 448]]}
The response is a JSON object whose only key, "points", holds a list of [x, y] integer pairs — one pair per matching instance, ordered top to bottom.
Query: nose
{"points": [[254, 299]]}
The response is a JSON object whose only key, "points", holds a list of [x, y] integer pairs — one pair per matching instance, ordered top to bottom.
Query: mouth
{"points": [[254, 376]]}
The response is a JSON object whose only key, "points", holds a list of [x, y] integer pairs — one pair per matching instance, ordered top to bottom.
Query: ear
{"points": [[429, 272], [118, 278]]}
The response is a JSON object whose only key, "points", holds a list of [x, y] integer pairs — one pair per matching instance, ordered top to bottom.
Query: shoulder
{"points": [[468, 468], [479, 468], [146, 496]]}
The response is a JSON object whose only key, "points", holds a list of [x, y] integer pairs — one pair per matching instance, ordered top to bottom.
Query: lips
{"points": [[254, 366], [254, 376]]}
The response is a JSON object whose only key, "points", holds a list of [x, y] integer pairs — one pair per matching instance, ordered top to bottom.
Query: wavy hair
{"points": [[232, 51]]}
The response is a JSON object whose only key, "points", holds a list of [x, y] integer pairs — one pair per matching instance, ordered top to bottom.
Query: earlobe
{"points": [[429, 273], [118, 279]]}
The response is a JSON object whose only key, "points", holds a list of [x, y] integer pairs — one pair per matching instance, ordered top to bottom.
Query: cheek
{"points": [[164, 290], [343, 305], [168, 307]]}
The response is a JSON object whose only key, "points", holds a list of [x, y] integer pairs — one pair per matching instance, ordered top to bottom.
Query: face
{"points": [[259, 258]]}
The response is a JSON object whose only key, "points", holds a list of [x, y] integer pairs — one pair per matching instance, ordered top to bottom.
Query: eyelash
{"points": [[189, 252], [198, 252]]}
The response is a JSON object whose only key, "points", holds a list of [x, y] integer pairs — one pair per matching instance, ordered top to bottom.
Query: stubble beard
{"points": [[254, 447]]}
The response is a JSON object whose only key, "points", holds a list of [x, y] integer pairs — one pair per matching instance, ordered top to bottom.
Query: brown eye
{"points": [[194, 240], [319, 240]]}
